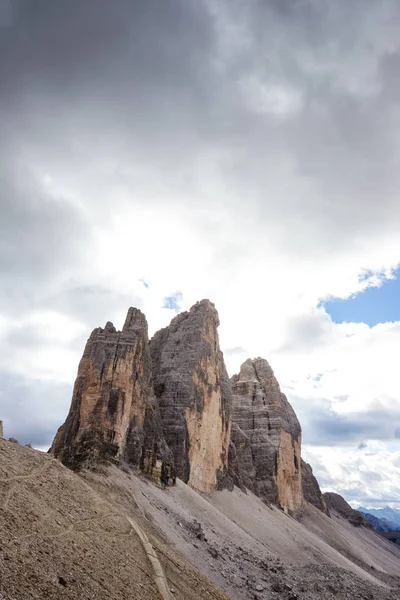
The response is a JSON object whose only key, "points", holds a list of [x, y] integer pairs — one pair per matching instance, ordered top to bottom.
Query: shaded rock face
{"points": [[194, 395], [114, 414], [1, 429], [266, 436], [311, 489], [337, 503]]}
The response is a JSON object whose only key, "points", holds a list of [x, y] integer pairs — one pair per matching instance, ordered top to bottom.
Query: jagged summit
{"points": [[202, 308], [135, 321]]}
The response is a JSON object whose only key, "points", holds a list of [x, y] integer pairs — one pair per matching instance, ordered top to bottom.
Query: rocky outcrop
{"points": [[193, 391], [169, 408], [114, 414], [1, 429], [266, 436], [311, 489], [338, 504]]}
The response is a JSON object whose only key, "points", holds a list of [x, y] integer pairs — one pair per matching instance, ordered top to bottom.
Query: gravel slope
{"points": [[67, 536], [61, 540], [253, 551]]}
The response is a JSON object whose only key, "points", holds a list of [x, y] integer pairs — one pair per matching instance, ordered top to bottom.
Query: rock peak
{"points": [[205, 306], [135, 321], [109, 327], [192, 387], [114, 415], [266, 435]]}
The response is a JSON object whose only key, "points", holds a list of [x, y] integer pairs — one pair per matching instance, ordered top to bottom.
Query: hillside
{"points": [[68, 536], [60, 539]]}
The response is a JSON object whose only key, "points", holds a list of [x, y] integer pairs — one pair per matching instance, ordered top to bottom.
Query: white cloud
{"points": [[367, 477]]}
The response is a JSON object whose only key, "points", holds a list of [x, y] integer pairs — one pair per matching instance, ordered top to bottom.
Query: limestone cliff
{"points": [[194, 395], [114, 414], [266, 436], [311, 489]]}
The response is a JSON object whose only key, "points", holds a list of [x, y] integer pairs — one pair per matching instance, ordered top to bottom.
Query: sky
{"points": [[156, 153], [374, 305]]}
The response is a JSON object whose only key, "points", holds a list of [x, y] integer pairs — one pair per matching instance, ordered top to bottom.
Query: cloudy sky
{"points": [[247, 151]]}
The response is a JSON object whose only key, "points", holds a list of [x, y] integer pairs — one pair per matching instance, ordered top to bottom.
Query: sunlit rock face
{"points": [[194, 395], [114, 414], [266, 436], [311, 489]]}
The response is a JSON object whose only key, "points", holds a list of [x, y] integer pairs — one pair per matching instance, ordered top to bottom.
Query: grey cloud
{"points": [[154, 95], [38, 232], [42, 234], [93, 304], [307, 332], [234, 351], [32, 410], [322, 426], [333, 429], [360, 490]]}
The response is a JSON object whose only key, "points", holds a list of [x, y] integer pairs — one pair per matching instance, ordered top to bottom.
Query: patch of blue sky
{"points": [[173, 302], [372, 306]]}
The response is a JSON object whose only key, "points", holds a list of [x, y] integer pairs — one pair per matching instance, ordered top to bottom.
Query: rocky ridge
{"points": [[168, 407], [311, 489], [336, 502], [380, 525]]}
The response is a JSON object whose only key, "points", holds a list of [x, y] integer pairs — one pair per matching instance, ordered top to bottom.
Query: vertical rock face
{"points": [[194, 395], [113, 413], [1, 429], [266, 436], [311, 489]]}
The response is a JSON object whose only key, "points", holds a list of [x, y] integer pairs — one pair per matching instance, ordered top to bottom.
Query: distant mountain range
{"points": [[382, 519]]}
